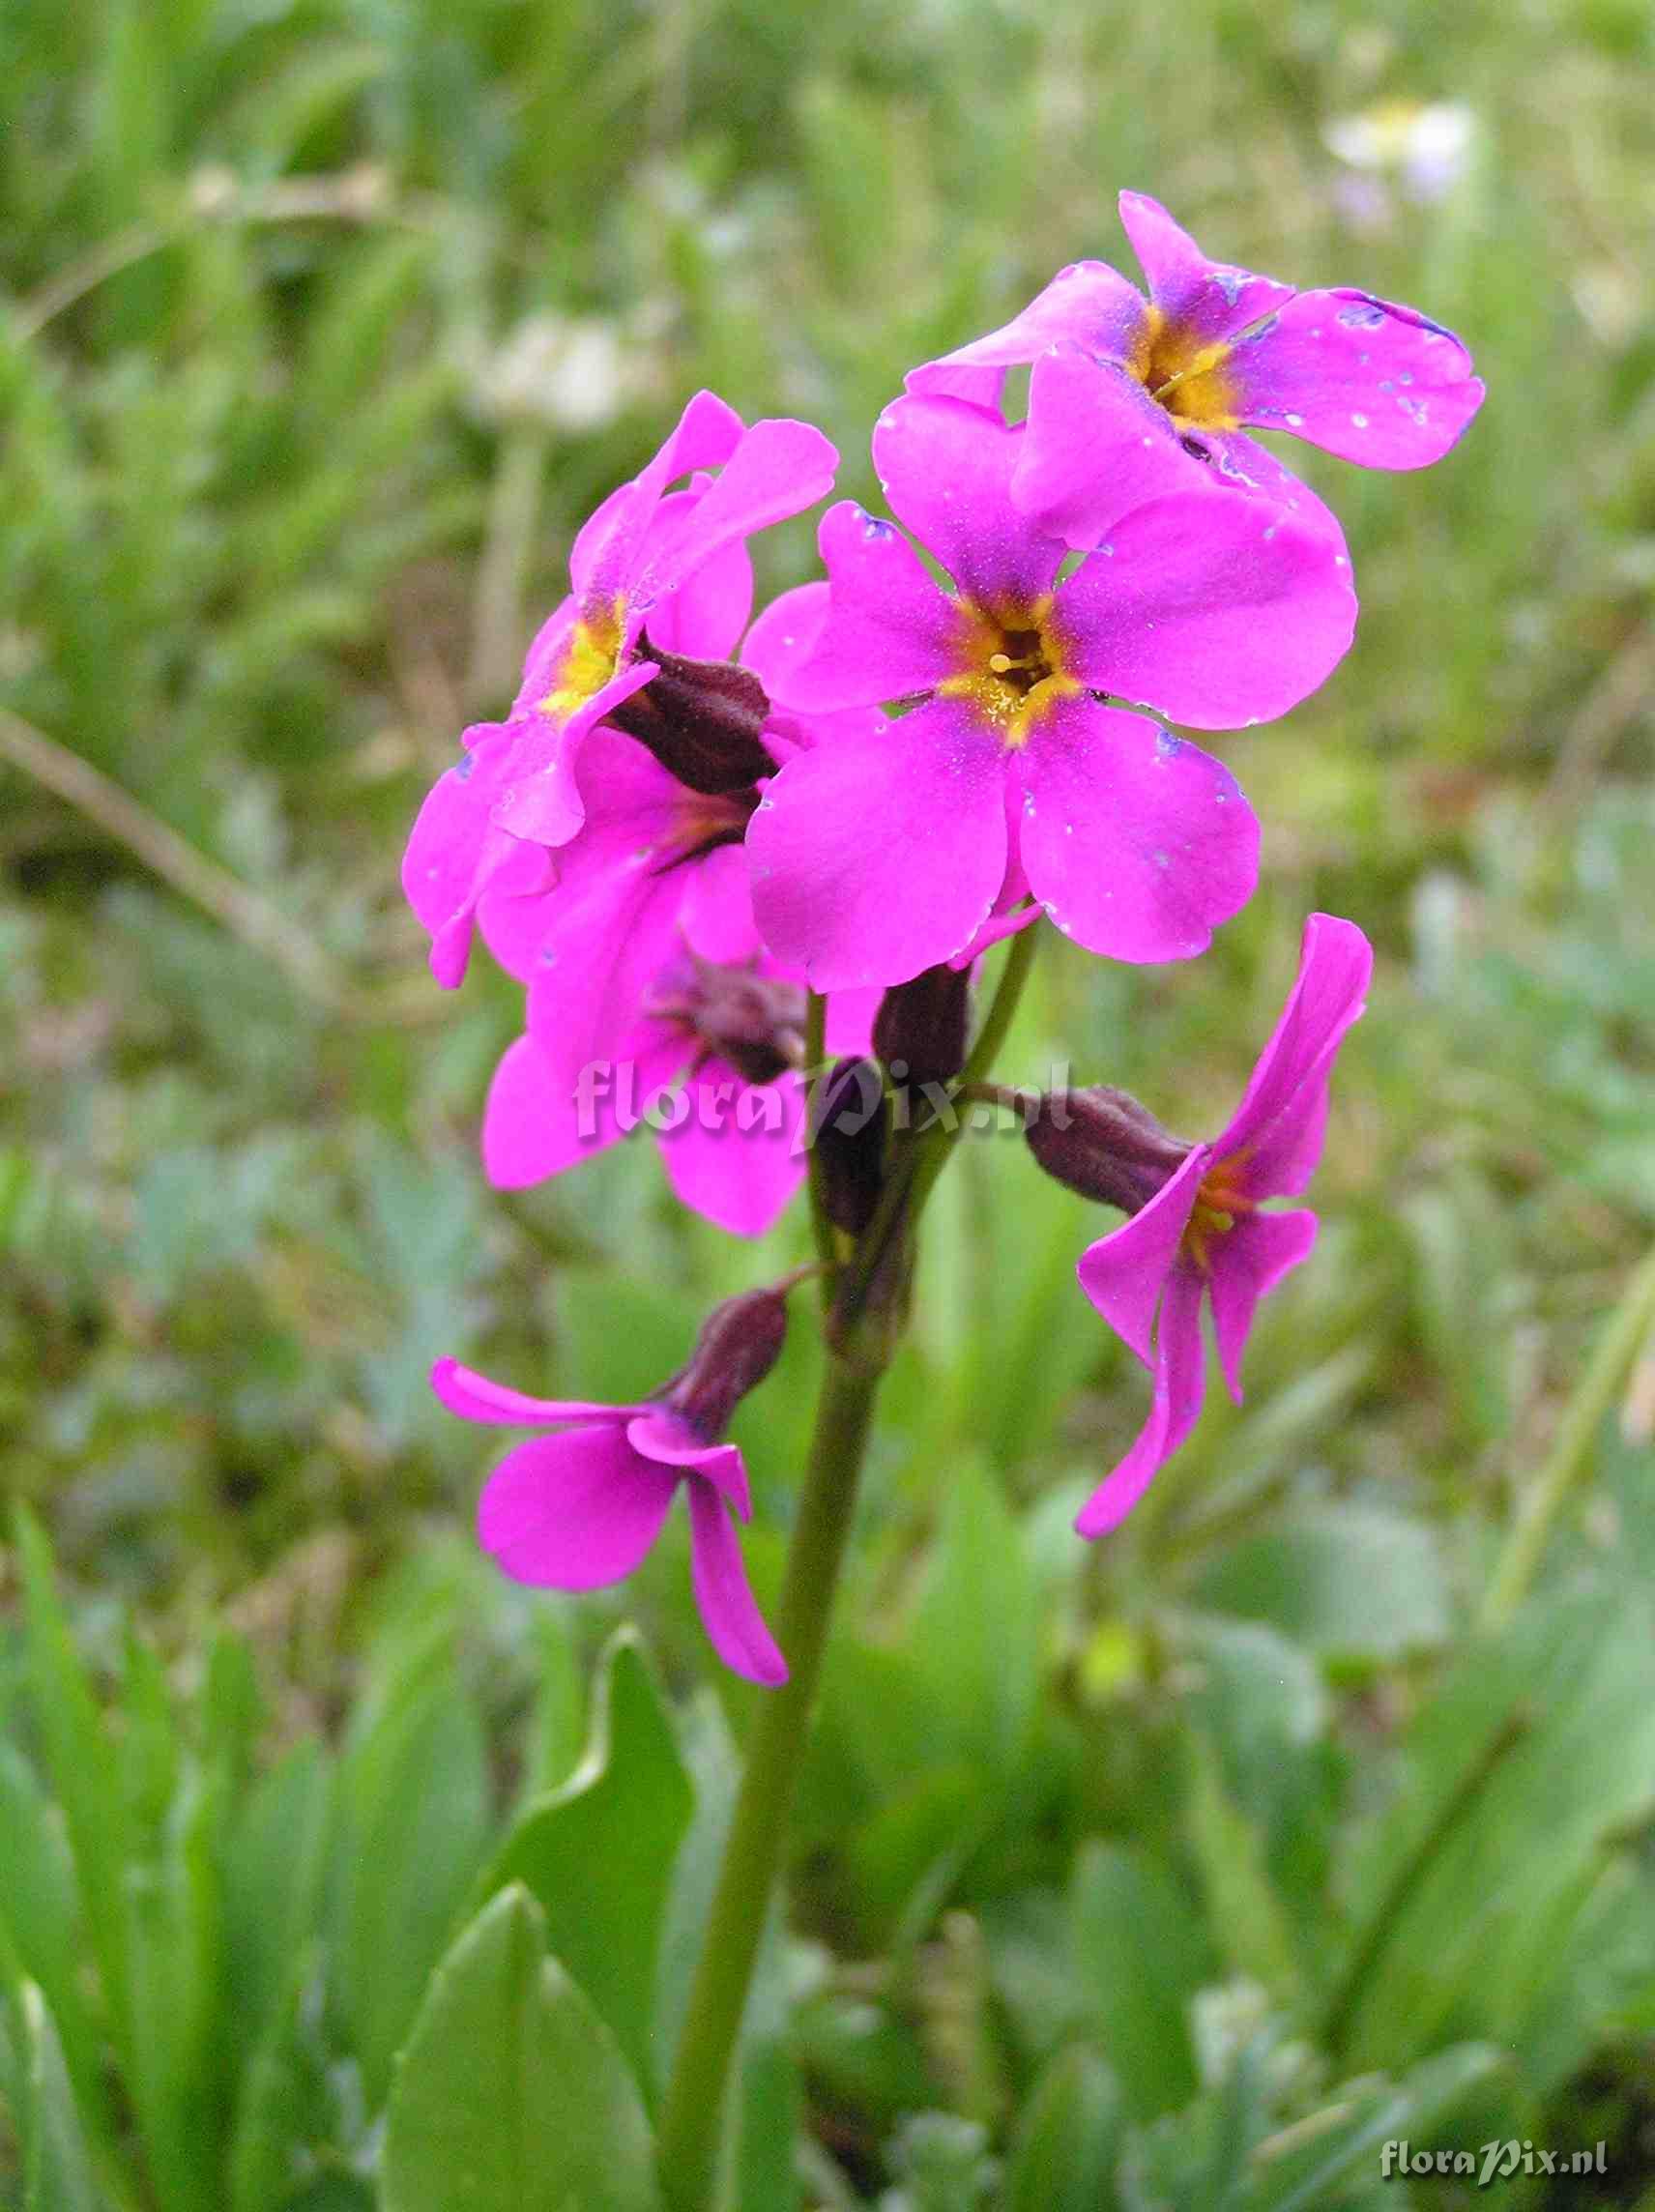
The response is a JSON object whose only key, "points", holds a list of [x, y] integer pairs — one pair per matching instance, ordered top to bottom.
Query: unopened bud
{"points": [[703, 719], [754, 1022], [922, 1025], [847, 1131], [1105, 1145], [740, 1342]]}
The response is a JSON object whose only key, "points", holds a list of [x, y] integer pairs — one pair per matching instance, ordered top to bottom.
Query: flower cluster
{"points": [[712, 847]]}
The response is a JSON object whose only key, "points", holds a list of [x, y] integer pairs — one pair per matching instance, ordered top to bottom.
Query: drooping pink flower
{"points": [[1163, 386], [649, 569], [882, 852], [710, 1053], [1203, 1239], [580, 1508]]}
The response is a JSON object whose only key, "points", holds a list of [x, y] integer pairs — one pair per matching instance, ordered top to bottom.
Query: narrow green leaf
{"points": [[597, 1855], [1139, 1954], [512, 2095], [1067, 2139], [56, 2172]]}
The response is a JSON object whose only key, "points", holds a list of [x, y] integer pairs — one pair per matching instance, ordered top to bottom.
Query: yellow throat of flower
{"points": [[1186, 375], [590, 656], [1011, 666], [1220, 1203]]}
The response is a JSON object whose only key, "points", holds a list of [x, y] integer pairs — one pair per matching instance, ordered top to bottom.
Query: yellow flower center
{"points": [[1185, 374], [590, 658], [1011, 666], [1219, 1203]]}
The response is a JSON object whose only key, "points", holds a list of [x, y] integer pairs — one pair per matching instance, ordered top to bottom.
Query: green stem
{"points": [[815, 1072], [1571, 1456], [692, 2117]]}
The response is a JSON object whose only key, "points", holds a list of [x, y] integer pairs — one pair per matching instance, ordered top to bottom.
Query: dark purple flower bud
{"points": [[704, 721], [754, 1022], [919, 1031], [847, 1132], [1105, 1145], [740, 1342]]}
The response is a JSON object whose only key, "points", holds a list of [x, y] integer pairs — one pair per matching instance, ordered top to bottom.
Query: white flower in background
{"points": [[1425, 147], [570, 372]]}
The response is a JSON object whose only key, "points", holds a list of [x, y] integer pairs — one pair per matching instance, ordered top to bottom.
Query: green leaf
{"points": [[1345, 1581], [976, 1635], [414, 1792], [597, 1855], [273, 1873], [1242, 1908], [40, 1910], [1141, 1957], [512, 2095], [283, 2107], [1067, 2139], [1300, 2168], [56, 2172]]}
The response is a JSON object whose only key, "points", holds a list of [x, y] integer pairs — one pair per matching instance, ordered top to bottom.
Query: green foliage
{"points": [[1186, 1870]]}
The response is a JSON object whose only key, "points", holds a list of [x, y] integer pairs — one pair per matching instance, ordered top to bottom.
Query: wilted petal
{"points": [[575, 1511], [734, 1625]]}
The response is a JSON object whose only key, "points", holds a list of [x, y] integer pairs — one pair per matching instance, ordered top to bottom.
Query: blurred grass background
{"points": [[321, 326]]}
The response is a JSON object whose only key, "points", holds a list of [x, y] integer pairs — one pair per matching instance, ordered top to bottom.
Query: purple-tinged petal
{"points": [[1209, 298], [1089, 301], [1363, 378], [1096, 446], [1236, 462], [779, 469], [945, 469], [603, 555], [1211, 609], [891, 631], [784, 636], [1137, 843], [877, 857], [716, 916], [541, 1118], [1276, 1131], [736, 1158], [1248, 1262], [1124, 1273], [1180, 1385], [474, 1398], [663, 1435], [575, 1511], [734, 1625]]}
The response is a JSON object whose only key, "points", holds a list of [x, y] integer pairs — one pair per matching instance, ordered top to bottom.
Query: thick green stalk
{"points": [[1571, 1456], [692, 2121]]}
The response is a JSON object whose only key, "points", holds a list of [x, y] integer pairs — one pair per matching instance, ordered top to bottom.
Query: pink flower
{"points": [[1163, 386], [677, 563], [883, 851], [710, 1052], [1201, 1238], [580, 1509]]}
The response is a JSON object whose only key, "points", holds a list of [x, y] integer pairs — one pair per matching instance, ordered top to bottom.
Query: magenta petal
{"points": [[1209, 296], [1087, 302], [1360, 377], [707, 433], [1096, 446], [1239, 463], [778, 469], [947, 469], [1211, 609], [708, 612], [891, 631], [784, 636], [542, 798], [1135, 842], [453, 853], [878, 855], [716, 916], [850, 1024], [543, 1117], [1278, 1125], [735, 1159], [1247, 1264], [1124, 1273], [1180, 1385], [474, 1398], [662, 1434], [575, 1511], [734, 1625]]}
